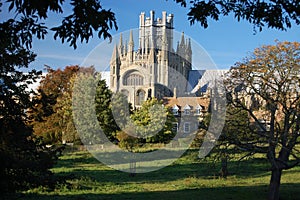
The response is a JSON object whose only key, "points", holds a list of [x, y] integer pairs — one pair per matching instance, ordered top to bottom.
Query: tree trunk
{"points": [[224, 170], [274, 184]]}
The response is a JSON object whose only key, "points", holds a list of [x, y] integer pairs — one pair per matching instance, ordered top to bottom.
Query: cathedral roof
{"points": [[193, 78], [206, 79]]}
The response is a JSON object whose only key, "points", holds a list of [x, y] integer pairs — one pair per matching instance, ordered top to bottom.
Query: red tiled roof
{"points": [[191, 101]]}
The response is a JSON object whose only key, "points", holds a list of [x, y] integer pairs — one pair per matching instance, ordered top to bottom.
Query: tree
{"points": [[273, 14], [87, 17], [267, 86], [92, 108], [103, 110], [121, 110], [63, 112], [51, 113], [153, 122], [236, 129], [127, 141], [25, 161]]}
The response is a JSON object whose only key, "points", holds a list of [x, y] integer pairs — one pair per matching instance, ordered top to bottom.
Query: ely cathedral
{"points": [[153, 67]]}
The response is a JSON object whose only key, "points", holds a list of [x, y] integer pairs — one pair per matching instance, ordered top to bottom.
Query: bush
{"points": [[126, 141]]}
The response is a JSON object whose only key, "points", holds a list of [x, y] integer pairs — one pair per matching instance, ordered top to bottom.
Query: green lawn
{"points": [[187, 178]]}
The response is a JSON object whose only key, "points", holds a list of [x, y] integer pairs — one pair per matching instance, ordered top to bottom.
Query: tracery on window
{"points": [[133, 79]]}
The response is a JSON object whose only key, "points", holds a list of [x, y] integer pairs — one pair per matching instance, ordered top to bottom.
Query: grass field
{"points": [[187, 178]]}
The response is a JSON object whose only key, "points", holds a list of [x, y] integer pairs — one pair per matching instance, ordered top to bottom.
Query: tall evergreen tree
{"points": [[103, 109], [92, 112]]}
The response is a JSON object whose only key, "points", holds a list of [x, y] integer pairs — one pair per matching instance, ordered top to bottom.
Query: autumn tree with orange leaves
{"points": [[267, 86], [49, 120]]}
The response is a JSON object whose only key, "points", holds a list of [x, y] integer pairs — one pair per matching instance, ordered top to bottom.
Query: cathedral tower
{"points": [[153, 68]]}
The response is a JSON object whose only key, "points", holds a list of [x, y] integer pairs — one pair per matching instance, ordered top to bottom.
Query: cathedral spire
{"points": [[182, 42], [131, 43], [182, 46], [121, 47], [125, 47], [130, 47], [189, 47], [189, 51], [115, 59], [115, 64]]}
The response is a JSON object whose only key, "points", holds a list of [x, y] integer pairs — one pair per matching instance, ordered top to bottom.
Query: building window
{"points": [[134, 79], [175, 110], [187, 110], [198, 110], [175, 127], [186, 127]]}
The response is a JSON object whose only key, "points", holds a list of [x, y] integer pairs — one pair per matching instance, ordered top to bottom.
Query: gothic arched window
{"points": [[133, 79]]}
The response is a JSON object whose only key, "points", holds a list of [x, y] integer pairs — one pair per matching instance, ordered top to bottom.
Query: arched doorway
{"points": [[140, 97]]}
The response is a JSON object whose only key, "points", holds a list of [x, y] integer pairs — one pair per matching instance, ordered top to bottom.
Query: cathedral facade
{"points": [[153, 67]]}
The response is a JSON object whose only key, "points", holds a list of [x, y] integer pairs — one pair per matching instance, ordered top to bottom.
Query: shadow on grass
{"points": [[114, 157], [178, 170], [169, 173], [89, 179], [288, 192]]}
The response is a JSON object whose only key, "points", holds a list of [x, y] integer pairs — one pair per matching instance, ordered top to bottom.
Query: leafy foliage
{"points": [[273, 14], [87, 17], [271, 77], [92, 108], [103, 109], [121, 110], [52, 111], [153, 122], [236, 130], [127, 141], [25, 160], [24, 164]]}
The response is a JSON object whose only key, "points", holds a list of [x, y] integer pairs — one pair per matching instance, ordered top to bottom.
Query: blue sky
{"points": [[226, 41]]}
